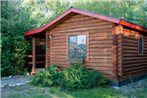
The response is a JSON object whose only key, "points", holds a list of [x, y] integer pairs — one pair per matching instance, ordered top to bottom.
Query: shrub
{"points": [[53, 75], [47, 77], [74, 77], [78, 77], [39, 78]]}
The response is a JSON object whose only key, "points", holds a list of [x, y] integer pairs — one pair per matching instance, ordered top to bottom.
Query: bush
{"points": [[53, 75], [47, 77], [78, 77], [40, 78], [72, 78]]}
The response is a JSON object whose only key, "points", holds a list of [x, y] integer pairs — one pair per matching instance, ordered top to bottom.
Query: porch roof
{"points": [[72, 11]]}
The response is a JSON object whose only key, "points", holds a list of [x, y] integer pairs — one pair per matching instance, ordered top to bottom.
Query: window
{"points": [[140, 45], [77, 46]]}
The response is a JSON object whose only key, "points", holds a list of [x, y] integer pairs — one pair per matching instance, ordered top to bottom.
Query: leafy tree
{"points": [[14, 24]]}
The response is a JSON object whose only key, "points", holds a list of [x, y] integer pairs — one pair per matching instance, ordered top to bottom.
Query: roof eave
{"points": [[132, 25]]}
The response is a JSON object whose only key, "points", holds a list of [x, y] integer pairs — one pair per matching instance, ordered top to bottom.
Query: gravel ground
{"points": [[14, 81], [135, 86], [25, 91], [6, 92]]}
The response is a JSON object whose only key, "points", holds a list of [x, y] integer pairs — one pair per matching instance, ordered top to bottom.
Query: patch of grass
{"points": [[55, 92], [91, 93], [30, 96]]}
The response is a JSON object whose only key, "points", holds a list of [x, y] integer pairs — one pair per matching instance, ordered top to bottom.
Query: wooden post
{"points": [[46, 50], [33, 55]]}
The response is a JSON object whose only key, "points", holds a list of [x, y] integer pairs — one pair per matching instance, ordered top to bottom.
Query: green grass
{"points": [[54, 92], [91, 93]]}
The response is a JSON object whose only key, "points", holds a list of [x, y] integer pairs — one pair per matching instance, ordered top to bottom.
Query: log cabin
{"points": [[115, 47]]}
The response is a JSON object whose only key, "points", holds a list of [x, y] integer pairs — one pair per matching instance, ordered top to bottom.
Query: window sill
{"points": [[76, 60]]}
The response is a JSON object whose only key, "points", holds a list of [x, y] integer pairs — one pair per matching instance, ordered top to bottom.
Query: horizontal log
{"points": [[76, 19], [80, 19], [80, 25], [83, 29], [93, 31], [96, 33], [58, 37], [103, 38], [130, 38], [58, 41], [130, 41], [101, 42], [130, 44], [97, 46], [58, 47], [130, 48], [57, 50], [103, 50], [130, 51], [58, 53], [100, 54], [134, 55], [58, 56], [100, 57], [135, 58], [59, 60], [101, 61], [135, 61], [60, 63], [98, 64], [134, 64], [100, 68], [134, 71], [106, 72]]}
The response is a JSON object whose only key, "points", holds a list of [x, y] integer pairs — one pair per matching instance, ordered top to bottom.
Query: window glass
{"points": [[73, 39], [81, 43], [77, 46], [140, 46], [71, 47]]}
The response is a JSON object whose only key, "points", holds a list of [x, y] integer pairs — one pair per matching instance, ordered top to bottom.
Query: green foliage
{"points": [[14, 22], [13, 43], [53, 75], [47, 77], [79, 77], [40, 78], [72, 78]]}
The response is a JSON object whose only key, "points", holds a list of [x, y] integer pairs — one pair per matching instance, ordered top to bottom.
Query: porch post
{"points": [[46, 50], [33, 55]]}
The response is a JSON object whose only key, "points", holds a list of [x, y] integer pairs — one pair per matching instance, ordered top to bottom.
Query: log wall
{"points": [[99, 43], [132, 63]]}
